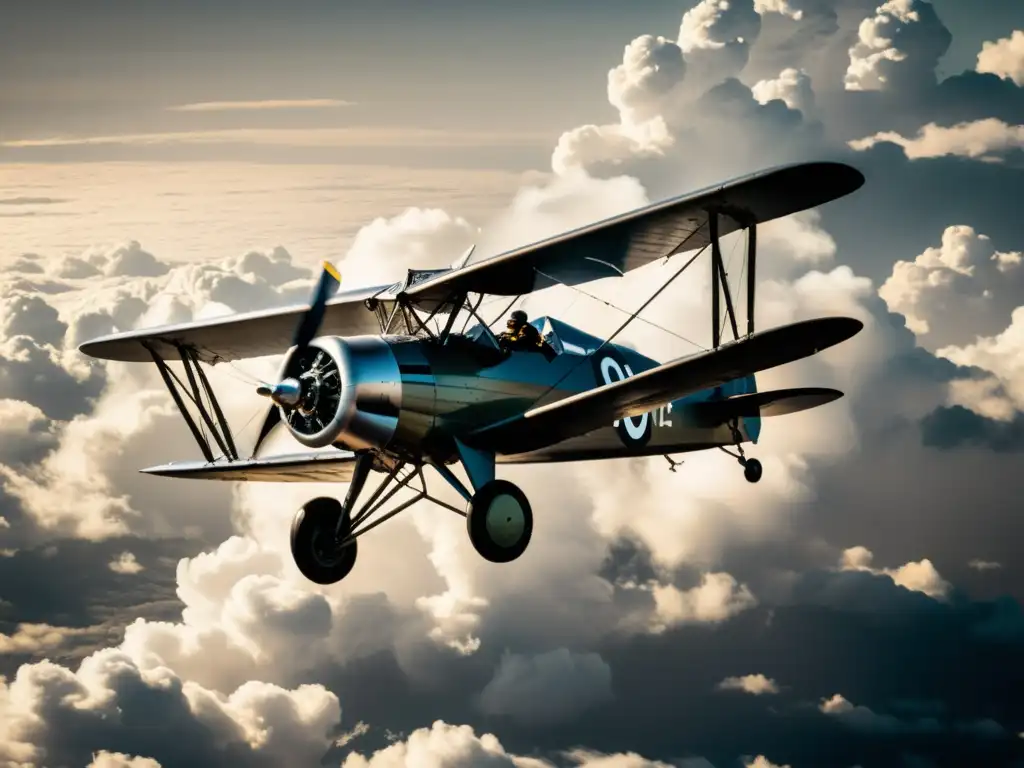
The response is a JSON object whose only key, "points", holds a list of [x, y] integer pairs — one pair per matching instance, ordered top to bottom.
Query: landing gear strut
{"points": [[752, 469], [324, 532]]}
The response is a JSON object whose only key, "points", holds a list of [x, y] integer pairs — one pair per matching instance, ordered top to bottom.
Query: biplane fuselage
{"points": [[364, 372], [452, 389]]}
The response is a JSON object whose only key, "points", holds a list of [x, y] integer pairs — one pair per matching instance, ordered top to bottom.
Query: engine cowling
{"points": [[350, 393]]}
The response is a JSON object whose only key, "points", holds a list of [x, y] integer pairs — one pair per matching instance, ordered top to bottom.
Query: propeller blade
{"points": [[328, 283], [286, 392], [271, 420]]}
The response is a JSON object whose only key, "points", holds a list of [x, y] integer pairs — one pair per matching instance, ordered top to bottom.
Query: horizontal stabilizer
{"points": [[779, 402], [592, 409], [310, 467]]}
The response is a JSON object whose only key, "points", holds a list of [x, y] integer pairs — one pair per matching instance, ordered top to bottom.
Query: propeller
{"points": [[287, 393]]}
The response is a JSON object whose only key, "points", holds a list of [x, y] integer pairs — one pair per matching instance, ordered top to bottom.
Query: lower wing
{"points": [[311, 467]]}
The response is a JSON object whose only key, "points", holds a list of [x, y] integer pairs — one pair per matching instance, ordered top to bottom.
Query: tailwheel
{"points": [[752, 470], [500, 521], [315, 536]]}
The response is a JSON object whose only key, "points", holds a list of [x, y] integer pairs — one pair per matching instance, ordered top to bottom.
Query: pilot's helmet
{"points": [[518, 317]]}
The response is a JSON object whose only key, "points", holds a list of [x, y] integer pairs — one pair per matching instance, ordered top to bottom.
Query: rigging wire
{"points": [[626, 312], [623, 326]]}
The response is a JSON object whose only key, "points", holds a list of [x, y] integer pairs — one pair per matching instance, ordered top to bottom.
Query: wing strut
{"points": [[719, 277], [751, 285], [199, 392]]}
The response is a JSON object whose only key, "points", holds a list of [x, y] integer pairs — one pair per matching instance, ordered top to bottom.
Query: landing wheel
{"points": [[752, 470], [500, 521], [315, 544]]}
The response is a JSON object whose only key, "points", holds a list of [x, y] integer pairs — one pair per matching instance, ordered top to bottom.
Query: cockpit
{"points": [[562, 338]]}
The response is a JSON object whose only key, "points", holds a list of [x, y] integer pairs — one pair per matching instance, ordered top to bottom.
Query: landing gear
{"points": [[752, 469], [499, 521], [324, 532], [315, 545]]}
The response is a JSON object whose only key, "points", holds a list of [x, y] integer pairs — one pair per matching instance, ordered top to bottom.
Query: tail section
{"points": [[749, 406]]}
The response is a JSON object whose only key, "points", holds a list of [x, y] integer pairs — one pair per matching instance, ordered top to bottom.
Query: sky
{"points": [[860, 606]]}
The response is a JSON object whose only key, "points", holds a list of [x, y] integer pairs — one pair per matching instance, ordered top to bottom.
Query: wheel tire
{"points": [[752, 470], [499, 521], [318, 558]]}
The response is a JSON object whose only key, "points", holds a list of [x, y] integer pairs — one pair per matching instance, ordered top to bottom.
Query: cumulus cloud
{"points": [[716, 36], [898, 48], [1004, 57], [792, 87], [384, 248], [954, 292], [1002, 354], [126, 564], [919, 576], [717, 598], [756, 685], [52, 715], [458, 746], [104, 759]]}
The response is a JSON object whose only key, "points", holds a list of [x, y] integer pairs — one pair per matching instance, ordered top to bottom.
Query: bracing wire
{"points": [[626, 312], [630, 319]]}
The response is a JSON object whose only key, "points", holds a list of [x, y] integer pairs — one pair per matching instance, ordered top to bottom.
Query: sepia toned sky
{"points": [[860, 606]]}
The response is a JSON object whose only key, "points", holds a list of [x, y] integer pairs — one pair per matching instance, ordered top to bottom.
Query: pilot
{"points": [[521, 336]]}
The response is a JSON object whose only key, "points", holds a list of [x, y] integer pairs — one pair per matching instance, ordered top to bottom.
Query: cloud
{"points": [[898, 48], [1004, 57], [792, 87], [230, 106], [369, 137], [984, 139], [29, 200], [383, 249], [954, 292], [126, 564], [984, 565], [919, 577], [717, 598], [756, 685], [547, 688], [52, 714], [458, 746], [104, 759], [762, 762]]}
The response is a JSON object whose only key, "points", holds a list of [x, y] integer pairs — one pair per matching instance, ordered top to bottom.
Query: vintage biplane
{"points": [[383, 375]]}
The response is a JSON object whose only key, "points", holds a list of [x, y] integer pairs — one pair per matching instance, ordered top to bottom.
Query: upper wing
{"points": [[622, 243], [610, 247], [252, 334], [584, 412], [312, 467]]}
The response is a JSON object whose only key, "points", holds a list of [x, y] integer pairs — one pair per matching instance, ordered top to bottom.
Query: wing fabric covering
{"points": [[623, 243], [237, 337], [589, 410], [308, 467]]}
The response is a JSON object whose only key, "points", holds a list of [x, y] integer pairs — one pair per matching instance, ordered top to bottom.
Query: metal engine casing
{"points": [[368, 411]]}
